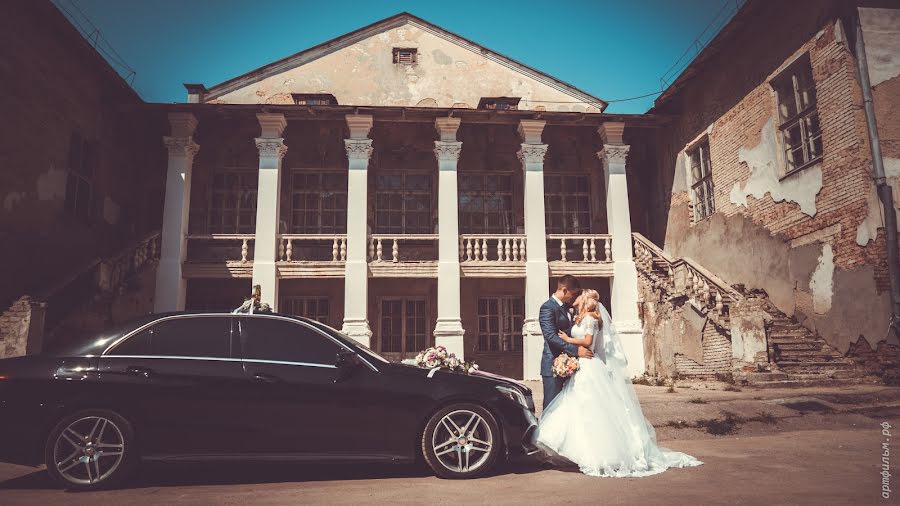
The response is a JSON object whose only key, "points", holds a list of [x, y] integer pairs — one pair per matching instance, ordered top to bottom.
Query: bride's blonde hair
{"points": [[590, 300]]}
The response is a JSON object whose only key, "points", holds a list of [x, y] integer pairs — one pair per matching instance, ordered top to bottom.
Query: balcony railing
{"points": [[312, 247], [580, 247], [220, 248], [417, 248], [492, 248]]}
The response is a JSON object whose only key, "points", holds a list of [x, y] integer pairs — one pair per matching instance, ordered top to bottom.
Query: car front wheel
{"points": [[461, 441], [90, 449]]}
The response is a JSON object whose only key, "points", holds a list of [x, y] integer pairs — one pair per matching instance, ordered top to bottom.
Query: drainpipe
{"points": [[883, 189]]}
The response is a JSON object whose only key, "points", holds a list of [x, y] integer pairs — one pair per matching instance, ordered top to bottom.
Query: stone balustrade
{"points": [[220, 247], [312, 247], [386, 247], [581, 247], [492, 248]]}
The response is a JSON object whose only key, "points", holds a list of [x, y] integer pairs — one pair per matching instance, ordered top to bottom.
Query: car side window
{"points": [[197, 336], [285, 341]]}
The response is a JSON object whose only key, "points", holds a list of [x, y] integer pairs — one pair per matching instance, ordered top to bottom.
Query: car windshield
{"points": [[344, 338]]}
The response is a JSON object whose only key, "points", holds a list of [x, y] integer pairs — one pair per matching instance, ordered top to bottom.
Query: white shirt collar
{"points": [[557, 300]]}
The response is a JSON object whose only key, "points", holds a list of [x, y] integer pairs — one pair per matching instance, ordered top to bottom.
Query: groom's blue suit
{"points": [[554, 317]]}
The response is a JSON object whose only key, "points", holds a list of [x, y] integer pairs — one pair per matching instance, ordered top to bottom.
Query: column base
{"points": [[171, 288], [359, 331], [450, 334], [632, 335], [532, 349]]}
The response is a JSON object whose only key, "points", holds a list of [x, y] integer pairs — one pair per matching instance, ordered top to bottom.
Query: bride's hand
{"points": [[565, 337]]}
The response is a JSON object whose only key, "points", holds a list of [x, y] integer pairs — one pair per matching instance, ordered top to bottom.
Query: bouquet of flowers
{"points": [[438, 356], [565, 366]]}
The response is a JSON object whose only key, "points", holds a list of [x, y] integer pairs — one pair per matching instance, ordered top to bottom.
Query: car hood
{"points": [[448, 376]]}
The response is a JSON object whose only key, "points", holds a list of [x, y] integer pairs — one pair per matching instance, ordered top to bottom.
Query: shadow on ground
{"points": [[182, 474]]}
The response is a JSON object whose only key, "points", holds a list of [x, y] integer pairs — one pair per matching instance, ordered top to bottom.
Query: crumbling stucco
{"points": [[881, 30], [447, 73], [762, 160], [51, 184], [868, 228], [821, 284]]}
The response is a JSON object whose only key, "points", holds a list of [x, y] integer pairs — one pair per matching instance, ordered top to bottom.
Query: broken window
{"points": [[405, 55], [314, 99], [499, 103], [798, 117], [82, 162], [702, 195], [318, 202], [403, 203], [567, 203], [486, 204], [232, 207], [314, 308], [500, 323]]}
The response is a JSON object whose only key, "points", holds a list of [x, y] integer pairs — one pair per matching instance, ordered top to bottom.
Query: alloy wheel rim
{"points": [[462, 441], [88, 450]]}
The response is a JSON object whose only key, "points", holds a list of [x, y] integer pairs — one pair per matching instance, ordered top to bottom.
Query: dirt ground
{"points": [[759, 446]]}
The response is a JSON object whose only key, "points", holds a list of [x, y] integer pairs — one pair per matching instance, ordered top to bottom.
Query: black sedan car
{"points": [[196, 387]]}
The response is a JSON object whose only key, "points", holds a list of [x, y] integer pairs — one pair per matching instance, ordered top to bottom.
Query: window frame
{"points": [[398, 57], [801, 118], [81, 161], [240, 172], [705, 181], [404, 192], [567, 199], [508, 216], [340, 225], [304, 300], [404, 301], [507, 331], [242, 342]]}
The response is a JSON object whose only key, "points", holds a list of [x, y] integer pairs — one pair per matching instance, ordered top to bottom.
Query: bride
{"points": [[596, 421]]}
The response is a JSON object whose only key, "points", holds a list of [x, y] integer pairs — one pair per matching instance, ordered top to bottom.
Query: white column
{"points": [[265, 246], [537, 273], [356, 277], [624, 284], [170, 286], [448, 330]]}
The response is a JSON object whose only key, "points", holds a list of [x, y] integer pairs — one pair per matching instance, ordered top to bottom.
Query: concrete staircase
{"points": [[795, 356]]}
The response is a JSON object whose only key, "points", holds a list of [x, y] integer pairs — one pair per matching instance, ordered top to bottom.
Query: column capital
{"points": [[182, 124], [271, 124], [359, 124], [446, 128], [530, 130], [611, 132], [181, 146], [271, 147], [358, 149], [447, 150], [532, 154], [614, 155]]}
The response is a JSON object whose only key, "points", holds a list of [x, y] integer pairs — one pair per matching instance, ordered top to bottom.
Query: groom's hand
{"points": [[584, 352]]}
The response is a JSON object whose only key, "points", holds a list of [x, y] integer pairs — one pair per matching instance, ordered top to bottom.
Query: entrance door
{"points": [[403, 327]]}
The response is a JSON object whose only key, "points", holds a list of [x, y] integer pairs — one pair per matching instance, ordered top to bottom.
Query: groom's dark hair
{"points": [[570, 282]]}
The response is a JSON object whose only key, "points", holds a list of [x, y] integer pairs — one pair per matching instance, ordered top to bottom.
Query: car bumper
{"points": [[519, 426]]}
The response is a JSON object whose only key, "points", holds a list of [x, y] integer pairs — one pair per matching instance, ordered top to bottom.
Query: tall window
{"points": [[798, 117], [80, 178], [702, 194], [233, 202], [318, 202], [567, 203], [403, 204], [485, 204], [314, 308], [500, 323], [403, 326]]}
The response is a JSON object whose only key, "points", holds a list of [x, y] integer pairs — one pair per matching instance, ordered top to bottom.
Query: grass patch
{"points": [[725, 377], [732, 388], [671, 389], [698, 400], [727, 423]]}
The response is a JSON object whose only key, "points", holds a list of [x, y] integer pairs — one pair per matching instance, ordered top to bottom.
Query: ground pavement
{"points": [[760, 446]]}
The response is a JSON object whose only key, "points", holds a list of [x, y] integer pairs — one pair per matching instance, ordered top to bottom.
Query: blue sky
{"points": [[610, 49]]}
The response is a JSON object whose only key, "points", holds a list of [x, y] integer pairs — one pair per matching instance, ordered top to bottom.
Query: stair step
{"points": [[787, 366], [812, 382]]}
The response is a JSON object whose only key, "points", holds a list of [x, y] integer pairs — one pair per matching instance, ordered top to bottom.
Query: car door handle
{"points": [[145, 372], [265, 378]]}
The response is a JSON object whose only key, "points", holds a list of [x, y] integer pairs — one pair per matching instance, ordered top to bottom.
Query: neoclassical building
{"points": [[406, 185]]}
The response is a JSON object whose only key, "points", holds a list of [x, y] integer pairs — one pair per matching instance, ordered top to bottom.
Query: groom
{"points": [[553, 317]]}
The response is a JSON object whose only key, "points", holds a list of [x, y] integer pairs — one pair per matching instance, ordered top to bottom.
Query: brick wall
{"points": [[21, 328]]}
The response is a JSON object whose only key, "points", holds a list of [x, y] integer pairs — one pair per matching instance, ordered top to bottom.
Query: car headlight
{"points": [[514, 395]]}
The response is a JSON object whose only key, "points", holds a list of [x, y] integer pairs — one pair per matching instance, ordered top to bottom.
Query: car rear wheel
{"points": [[461, 441], [90, 449]]}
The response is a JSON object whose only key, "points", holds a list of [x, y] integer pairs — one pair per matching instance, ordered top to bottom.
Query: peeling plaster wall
{"points": [[446, 75], [814, 239]]}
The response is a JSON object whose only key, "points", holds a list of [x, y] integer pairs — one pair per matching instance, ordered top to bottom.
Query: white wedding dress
{"points": [[596, 420]]}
